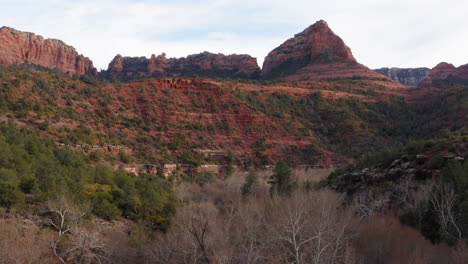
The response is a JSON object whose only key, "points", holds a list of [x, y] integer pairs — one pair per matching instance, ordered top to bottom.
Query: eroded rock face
{"points": [[17, 47], [315, 53], [204, 64], [116, 65], [441, 71], [446, 74], [409, 76]]}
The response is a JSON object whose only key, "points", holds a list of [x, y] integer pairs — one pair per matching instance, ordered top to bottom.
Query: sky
{"points": [[381, 33]]}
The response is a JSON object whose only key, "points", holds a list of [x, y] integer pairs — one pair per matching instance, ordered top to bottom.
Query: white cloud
{"points": [[380, 33]]}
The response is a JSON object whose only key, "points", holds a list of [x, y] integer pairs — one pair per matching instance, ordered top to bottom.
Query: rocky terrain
{"points": [[18, 47], [315, 53], [204, 65], [409, 76], [412, 166], [411, 182]]}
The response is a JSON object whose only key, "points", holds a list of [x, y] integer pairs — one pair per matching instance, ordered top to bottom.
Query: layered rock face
{"points": [[18, 47], [315, 53], [204, 64], [446, 74], [409, 76]]}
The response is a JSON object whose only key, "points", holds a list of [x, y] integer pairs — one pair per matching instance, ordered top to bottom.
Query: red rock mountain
{"points": [[18, 47], [315, 53], [204, 64], [444, 71]]}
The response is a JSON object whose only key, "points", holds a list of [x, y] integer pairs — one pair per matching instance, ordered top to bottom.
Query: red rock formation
{"points": [[18, 47], [315, 53], [157, 64], [203, 64], [241, 64], [116, 65], [334, 70], [445, 70], [441, 71], [461, 72]]}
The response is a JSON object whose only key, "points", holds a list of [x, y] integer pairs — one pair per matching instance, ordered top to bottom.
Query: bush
{"points": [[204, 177], [251, 181], [9, 195], [105, 209]]}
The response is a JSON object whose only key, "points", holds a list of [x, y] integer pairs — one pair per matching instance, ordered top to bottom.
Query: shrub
{"points": [[204, 177], [251, 181], [280, 182], [9, 195]]}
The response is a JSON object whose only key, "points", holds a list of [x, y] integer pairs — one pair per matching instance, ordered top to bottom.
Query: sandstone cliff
{"points": [[18, 47], [315, 53], [204, 64], [410, 76]]}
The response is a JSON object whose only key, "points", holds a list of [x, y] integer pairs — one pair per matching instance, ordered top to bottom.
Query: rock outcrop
{"points": [[17, 47], [315, 53], [204, 65], [441, 71], [446, 74], [409, 76]]}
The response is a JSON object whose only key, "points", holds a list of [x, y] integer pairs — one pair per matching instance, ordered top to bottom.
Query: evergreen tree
{"points": [[251, 181], [280, 182]]}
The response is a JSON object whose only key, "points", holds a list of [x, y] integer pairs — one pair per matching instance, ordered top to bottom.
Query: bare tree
{"points": [[414, 198], [443, 199], [369, 202], [61, 215], [194, 222], [331, 225], [293, 227], [314, 228], [249, 233], [342, 235], [73, 241]]}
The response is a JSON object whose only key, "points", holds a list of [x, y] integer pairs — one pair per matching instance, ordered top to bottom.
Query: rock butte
{"points": [[18, 47], [315, 53], [204, 64]]}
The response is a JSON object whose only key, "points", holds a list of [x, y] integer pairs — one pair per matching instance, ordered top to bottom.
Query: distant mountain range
{"points": [[314, 54]]}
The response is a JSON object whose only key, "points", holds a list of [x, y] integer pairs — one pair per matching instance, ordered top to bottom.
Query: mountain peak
{"points": [[320, 23], [315, 53]]}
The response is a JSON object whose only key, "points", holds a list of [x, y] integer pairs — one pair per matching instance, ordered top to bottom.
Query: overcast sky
{"points": [[401, 33]]}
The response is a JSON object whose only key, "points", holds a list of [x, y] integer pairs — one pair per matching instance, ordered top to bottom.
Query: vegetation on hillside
{"points": [[33, 170], [426, 181], [90, 210]]}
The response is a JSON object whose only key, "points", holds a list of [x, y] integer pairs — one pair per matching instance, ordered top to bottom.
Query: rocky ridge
{"points": [[17, 47], [204, 64], [446, 74], [408, 76]]}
